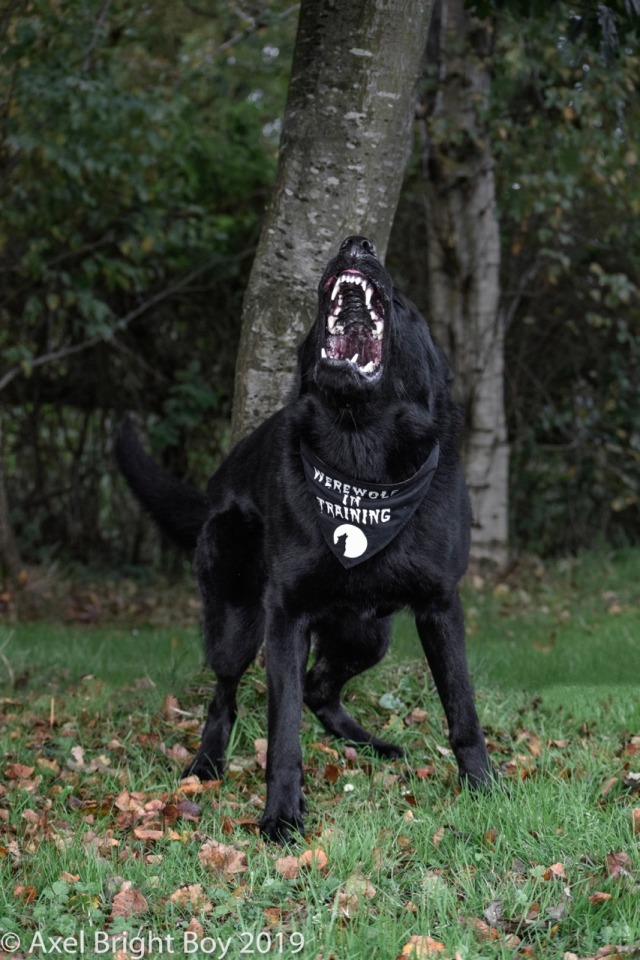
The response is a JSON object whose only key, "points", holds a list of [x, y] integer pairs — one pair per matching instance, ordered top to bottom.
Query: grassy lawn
{"points": [[98, 841]]}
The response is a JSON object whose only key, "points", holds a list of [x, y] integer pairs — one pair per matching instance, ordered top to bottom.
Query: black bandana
{"points": [[358, 519]]}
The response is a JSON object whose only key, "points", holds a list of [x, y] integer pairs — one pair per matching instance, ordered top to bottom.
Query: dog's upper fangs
{"points": [[354, 322]]}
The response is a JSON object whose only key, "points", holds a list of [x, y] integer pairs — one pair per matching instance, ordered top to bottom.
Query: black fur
{"points": [[265, 572]]}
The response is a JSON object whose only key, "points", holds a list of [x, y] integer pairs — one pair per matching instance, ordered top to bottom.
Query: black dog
{"points": [[345, 506]]}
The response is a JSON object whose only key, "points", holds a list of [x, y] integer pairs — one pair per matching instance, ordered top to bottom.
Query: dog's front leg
{"points": [[441, 630], [286, 651]]}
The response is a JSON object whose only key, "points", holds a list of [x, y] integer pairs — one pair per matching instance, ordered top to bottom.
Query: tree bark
{"points": [[345, 144], [464, 262], [9, 555]]}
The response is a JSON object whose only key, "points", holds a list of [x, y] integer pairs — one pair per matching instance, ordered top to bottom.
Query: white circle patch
{"points": [[355, 542]]}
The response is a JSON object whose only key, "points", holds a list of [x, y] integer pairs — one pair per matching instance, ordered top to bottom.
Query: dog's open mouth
{"points": [[354, 326]]}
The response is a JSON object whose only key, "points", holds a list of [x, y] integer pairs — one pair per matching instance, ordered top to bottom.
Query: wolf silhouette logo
{"points": [[355, 542]]}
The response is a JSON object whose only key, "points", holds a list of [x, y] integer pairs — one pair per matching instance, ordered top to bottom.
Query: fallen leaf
{"points": [[170, 707], [416, 716], [330, 751], [261, 752], [18, 771], [331, 772], [423, 773], [608, 786], [635, 814], [148, 833], [438, 837], [315, 857], [222, 858], [618, 864], [287, 867], [26, 894], [351, 894], [192, 895], [599, 897], [128, 902], [493, 913], [197, 928], [420, 947]]}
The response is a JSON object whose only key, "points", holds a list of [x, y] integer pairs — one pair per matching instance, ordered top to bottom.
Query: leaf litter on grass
{"points": [[545, 867]]}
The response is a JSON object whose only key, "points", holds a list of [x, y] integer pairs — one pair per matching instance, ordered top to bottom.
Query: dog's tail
{"points": [[179, 510]]}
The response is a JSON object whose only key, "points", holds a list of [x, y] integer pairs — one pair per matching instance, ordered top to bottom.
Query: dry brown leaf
{"points": [[170, 707], [418, 715], [330, 751], [261, 752], [18, 771], [423, 773], [190, 785], [608, 786], [635, 814], [148, 833], [438, 837], [316, 857], [222, 858], [618, 864], [288, 867], [557, 870], [69, 877], [26, 894], [351, 894], [192, 895], [599, 897], [128, 902], [194, 926], [422, 947]]}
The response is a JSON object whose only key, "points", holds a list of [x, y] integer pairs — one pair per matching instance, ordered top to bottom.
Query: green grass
{"points": [[555, 656]]}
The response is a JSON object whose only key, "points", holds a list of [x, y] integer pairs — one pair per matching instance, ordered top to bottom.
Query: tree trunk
{"points": [[345, 143], [464, 263], [9, 555]]}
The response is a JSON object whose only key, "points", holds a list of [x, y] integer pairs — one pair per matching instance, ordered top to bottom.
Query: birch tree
{"points": [[345, 142], [464, 261]]}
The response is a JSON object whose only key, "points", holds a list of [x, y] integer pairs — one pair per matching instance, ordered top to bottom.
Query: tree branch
{"points": [[72, 349]]}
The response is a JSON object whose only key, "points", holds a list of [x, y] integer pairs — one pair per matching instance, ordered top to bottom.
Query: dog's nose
{"points": [[355, 247]]}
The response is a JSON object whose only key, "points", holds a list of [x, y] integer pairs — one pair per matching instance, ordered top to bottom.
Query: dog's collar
{"points": [[359, 519]]}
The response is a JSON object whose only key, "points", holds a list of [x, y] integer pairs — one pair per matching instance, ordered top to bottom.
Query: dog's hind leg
{"points": [[441, 630], [346, 647]]}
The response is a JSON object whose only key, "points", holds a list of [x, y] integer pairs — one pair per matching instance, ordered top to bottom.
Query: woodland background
{"points": [[138, 151]]}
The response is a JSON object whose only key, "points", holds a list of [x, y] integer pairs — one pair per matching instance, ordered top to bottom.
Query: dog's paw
{"points": [[388, 750], [204, 768], [480, 778], [282, 823], [281, 830]]}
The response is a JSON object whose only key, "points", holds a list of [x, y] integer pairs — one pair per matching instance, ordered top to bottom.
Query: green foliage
{"points": [[565, 128], [138, 150]]}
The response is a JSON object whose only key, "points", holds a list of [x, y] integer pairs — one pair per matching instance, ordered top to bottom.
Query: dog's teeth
{"points": [[336, 288], [368, 293], [331, 323], [379, 327], [323, 353], [354, 358], [369, 368]]}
